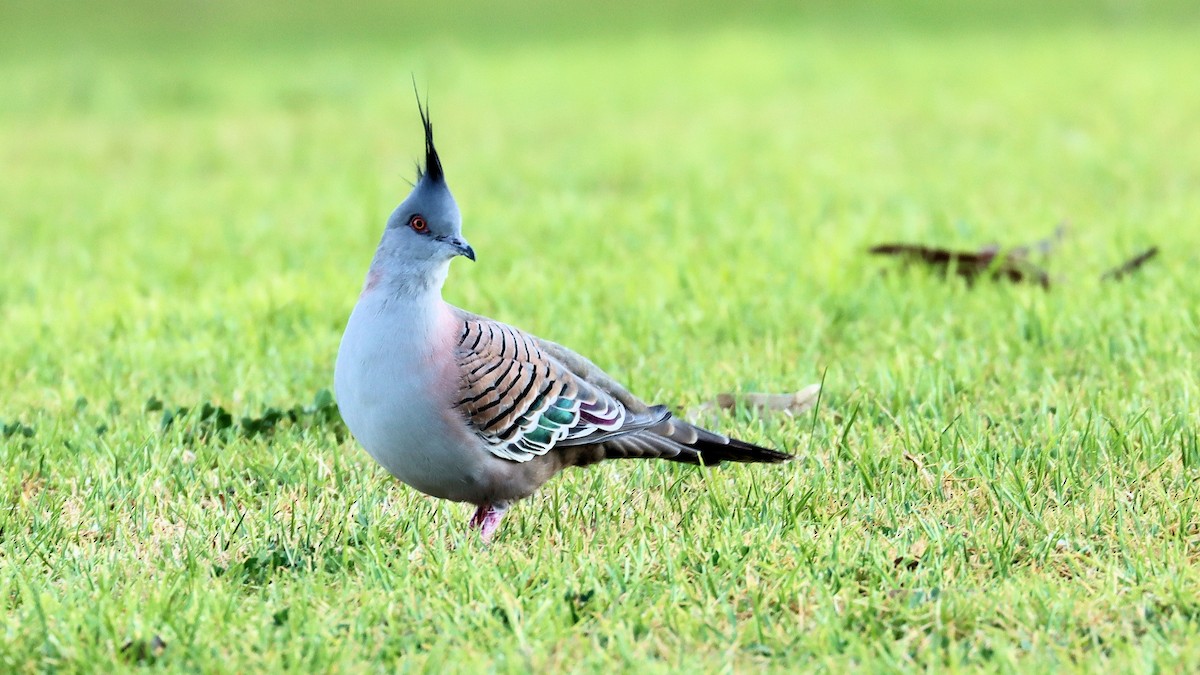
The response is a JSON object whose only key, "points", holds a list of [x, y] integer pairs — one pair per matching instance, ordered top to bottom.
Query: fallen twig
{"points": [[1130, 266]]}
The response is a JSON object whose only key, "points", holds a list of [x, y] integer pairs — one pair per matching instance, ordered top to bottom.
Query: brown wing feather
{"points": [[524, 396], [523, 402]]}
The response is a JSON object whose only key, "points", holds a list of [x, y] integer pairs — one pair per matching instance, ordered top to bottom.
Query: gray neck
{"points": [[412, 280]]}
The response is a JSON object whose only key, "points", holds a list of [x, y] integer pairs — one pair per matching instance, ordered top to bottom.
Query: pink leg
{"points": [[487, 519]]}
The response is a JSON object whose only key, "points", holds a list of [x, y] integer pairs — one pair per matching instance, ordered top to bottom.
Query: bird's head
{"points": [[427, 226]]}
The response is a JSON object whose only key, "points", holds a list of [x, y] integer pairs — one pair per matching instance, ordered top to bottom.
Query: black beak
{"points": [[461, 247], [464, 249]]}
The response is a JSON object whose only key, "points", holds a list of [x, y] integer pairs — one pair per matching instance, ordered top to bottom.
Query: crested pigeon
{"points": [[465, 408]]}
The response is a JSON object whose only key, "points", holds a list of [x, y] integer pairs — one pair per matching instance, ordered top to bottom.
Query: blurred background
{"points": [[191, 191]]}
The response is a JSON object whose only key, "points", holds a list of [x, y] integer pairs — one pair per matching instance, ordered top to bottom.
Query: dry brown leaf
{"points": [[912, 560]]}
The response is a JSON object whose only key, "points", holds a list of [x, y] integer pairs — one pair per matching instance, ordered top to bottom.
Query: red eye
{"points": [[418, 224]]}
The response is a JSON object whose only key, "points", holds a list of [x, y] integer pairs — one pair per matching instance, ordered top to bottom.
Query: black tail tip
{"points": [[742, 452]]}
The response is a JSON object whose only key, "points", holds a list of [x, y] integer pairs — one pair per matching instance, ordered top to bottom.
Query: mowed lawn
{"points": [[998, 476]]}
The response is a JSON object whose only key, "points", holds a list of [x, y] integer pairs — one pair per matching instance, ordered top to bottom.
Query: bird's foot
{"points": [[487, 519]]}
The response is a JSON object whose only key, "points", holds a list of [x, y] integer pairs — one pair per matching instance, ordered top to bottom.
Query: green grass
{"points": [[998, 477]]}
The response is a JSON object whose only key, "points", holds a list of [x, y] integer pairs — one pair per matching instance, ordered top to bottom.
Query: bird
{"points": [[465, 408]]}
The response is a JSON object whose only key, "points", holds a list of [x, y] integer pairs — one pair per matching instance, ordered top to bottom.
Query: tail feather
{"points": [[675, 440], [713, 448], [734, 450]]}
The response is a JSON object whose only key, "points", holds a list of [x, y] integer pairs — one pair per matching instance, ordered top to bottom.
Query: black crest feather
{"points": [[433, 165]]}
